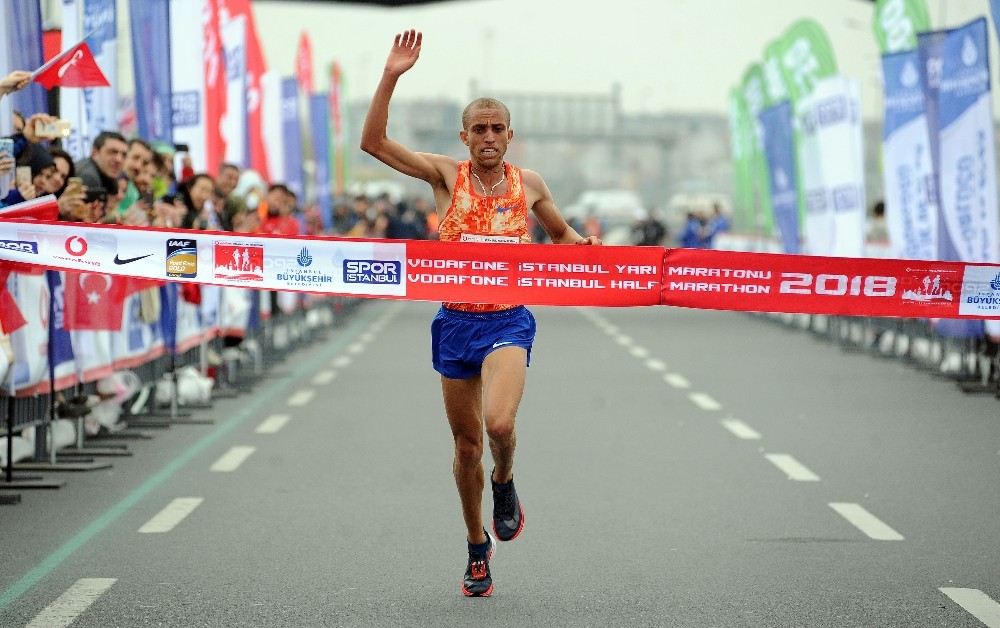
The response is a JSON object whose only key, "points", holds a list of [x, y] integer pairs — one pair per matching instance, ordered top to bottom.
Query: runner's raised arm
{"points": [[374, 137]]}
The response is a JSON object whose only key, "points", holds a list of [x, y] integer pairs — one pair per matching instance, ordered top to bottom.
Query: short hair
{"points": [[484, 103], [103, 137], [141, 142], [228, 165], [281, 187]]}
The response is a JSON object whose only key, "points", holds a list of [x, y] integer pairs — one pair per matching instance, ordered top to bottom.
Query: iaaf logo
{"points": [[372, 271]]}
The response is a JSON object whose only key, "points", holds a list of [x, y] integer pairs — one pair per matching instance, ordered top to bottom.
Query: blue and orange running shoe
{"points": [[508, 514], [478, 582]]}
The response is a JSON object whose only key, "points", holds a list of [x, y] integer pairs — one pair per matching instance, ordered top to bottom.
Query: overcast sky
{"points": [[680, 55]]}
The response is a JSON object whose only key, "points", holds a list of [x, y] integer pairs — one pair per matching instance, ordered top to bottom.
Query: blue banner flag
{"points": [[24, 47], [151, 63], [319, 123], [291, 135], [779, 148], [911, 205], [168, 315], [61, 359]]}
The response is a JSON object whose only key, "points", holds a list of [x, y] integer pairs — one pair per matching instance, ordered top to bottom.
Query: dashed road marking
{"points": [[611, 330], [366, 337], [623, 340], [356, 348], [639, 352], [340, 361], [656, 365], [324, 377], [676, 380], [301, 397], [704, 401], [273, 423], [741, 429], [232, 459], [792, 467], [169, 517], [866, 522], [980, 605], [68, 606]]}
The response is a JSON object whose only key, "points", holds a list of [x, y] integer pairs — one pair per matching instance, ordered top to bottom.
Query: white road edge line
{"points": [[623, 340], [356, 348], [639, 352], [656, 365], [324, 377], [676, 380], [301, 397], [704, 401], [273, 423], [741, 429], [232, 459], [792, 467], [169, 517], [866, 522], [980, 605], [68, 606]]}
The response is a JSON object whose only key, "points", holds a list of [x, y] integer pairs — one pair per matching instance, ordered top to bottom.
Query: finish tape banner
{"points": [[530, 274]]}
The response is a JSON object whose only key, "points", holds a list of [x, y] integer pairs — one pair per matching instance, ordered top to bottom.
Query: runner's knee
{"points": [[500, 428], [468, 450]]}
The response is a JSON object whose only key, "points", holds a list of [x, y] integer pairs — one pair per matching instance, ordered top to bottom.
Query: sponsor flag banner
{"points": [[995, 10], [150, 20], [897, 22], [23, 34], [930, 51], [806, 57], [304, 64], [255, 69], [755, 98], [90, 110], [188, 114], [233, 121], [319, 122], [272, 125], [291, 132], [740, 143], [779, 147], [339, 151], [967, 156], [833, 168], [911, 207], [502, 272], [61, 358], [30, 370]]}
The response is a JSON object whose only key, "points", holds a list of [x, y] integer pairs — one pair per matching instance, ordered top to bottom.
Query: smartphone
{"points": [[52, 130], [23, 175], [7, 178], [73, 185]]}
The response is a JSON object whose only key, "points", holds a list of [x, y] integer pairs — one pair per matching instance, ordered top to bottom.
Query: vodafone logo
{"points": [[76, 246]]}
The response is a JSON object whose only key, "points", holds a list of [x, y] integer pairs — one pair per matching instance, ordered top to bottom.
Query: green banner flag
{"points": [[897, 22], [806, 57], [775, 79], [756, 99], [741, 138]]}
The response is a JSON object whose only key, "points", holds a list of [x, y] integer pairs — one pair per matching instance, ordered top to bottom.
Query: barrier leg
{"points": [[11, 480]]}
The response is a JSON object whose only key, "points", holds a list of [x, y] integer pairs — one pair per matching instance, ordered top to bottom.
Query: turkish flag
{"points": [[304, 63], [75, 67], [94, 301], [11, 318]]}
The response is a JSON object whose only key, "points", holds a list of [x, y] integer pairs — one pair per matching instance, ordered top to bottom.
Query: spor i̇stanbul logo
{"points": [[304, 259]]}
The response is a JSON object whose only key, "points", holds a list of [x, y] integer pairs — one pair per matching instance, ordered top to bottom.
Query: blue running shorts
{"points": [[460, 341]]}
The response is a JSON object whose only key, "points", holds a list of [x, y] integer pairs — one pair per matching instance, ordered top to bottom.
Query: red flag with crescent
{"points": [[74, 68], [94, 301]]}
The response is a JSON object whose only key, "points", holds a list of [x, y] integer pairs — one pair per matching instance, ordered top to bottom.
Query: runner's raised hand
{"points": [[404, 53]]}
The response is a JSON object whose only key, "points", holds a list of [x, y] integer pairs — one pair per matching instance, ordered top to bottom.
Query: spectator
{"points": [[105, 164], [64, 168], [225, 184], [196, 193], [279, 203], [343, 219], [718, 223], [647, 229], [877, 229], [693, 235]]}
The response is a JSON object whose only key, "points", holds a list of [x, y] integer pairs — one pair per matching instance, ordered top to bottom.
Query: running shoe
{"points": [[508, 515], [478, 582]]}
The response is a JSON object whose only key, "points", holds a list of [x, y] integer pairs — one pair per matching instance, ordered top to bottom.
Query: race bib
{"points": [[493, 239]]}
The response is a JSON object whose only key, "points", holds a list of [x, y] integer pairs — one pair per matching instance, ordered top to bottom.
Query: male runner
{"points": [[480, 350]]}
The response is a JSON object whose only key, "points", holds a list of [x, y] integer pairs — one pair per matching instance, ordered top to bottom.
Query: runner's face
{"points": [[487, 136]]}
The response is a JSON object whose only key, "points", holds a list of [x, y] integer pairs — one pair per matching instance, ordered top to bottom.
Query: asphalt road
{"points": [[677, 468]]}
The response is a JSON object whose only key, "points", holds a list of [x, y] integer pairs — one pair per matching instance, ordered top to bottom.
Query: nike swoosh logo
{"points": [[129, 260], [500, 344]]}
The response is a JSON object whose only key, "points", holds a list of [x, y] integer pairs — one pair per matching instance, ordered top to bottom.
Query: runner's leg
{"points": [[503, 376], [463, 400]]}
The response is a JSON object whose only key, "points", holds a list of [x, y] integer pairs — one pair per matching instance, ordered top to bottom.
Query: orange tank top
{"points": [[472, 217]]}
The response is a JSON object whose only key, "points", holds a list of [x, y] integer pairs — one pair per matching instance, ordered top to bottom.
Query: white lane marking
{"points": [[611, 330], [366, 337], [623, 340], [356, 348], [639, 352], [340, 361], [656, 365], [324, 377], [676, 380], [301, 397], [704, 401], [273, 423], [741, 429], [232, 459], [792, 467], [169, 517], [866, 522], [980, 605], [68, 606]]}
